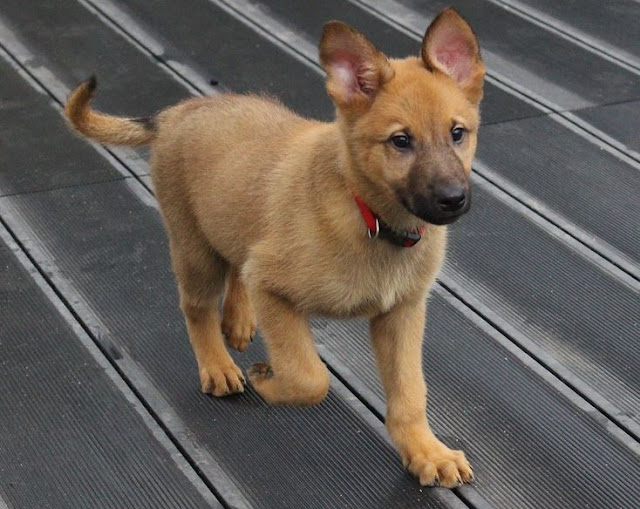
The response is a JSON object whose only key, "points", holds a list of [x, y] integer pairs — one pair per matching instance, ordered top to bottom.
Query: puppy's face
{"points": [[410, 125], [416, 142]]}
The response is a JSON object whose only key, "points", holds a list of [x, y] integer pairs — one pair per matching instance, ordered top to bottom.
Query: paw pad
{"points": [[261, 369]]}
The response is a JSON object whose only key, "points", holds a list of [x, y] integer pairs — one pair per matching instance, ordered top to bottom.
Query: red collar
{"points": [[378, 228]]}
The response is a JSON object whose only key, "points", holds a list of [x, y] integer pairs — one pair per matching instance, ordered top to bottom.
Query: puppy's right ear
{"points": [[355, 68]]}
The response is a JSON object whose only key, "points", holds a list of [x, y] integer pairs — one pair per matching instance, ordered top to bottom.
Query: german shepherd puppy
{"points": [[297, 217]]}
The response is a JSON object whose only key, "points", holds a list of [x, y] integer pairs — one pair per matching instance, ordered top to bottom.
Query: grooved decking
{"points": [[531, 349]]}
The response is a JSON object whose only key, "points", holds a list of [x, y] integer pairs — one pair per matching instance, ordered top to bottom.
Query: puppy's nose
{"points": [[451, 198]]}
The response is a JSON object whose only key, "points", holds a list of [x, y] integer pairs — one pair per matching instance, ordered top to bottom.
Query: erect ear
{"points": [[450, 46], [355, 68]]}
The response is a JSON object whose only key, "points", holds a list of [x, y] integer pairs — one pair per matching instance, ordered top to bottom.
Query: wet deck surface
{"points": [[532, 352]]}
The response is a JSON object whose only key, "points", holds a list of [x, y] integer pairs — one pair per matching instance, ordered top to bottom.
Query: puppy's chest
{"points": [[365, 288]]}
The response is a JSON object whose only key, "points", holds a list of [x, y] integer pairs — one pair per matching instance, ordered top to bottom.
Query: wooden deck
{"points": [[532, 352]]}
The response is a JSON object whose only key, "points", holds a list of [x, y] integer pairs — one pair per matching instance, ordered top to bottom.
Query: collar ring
{"points": [[373, 236]]}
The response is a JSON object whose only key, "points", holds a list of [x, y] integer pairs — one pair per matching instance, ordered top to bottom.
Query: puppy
{"points": [[297, 217]]}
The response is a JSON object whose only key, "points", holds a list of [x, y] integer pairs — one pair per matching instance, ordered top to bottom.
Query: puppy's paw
{"points": [[239, 327], [239, 335], [259, 371], [221, 379], [261, 379], [278, 390], [437, 465]]}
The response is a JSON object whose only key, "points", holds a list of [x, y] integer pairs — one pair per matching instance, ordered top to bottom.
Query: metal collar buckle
{"points": [[375, 235]]}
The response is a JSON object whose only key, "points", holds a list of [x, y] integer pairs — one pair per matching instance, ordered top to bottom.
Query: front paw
{"points": [[221, 379], [309, 389], [434, 464]]}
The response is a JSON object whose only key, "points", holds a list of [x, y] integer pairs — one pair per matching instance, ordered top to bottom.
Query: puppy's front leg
{"points": [[397, 343], [296, 374]]}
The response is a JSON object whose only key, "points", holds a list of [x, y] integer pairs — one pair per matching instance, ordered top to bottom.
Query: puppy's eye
{"points": [[457, 133], [401, 140]]}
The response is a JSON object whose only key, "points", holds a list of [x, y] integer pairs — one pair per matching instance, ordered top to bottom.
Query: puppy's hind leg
{"points": [[201, 277], [238, 317]]}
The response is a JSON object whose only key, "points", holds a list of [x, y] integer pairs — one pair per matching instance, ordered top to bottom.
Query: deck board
{"points": [[608, 26], [30, 132], [531, 350], [488, 401], [71, 436]]}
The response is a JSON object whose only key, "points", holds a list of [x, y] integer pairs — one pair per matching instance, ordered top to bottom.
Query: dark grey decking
{"points": [[532, 351]]}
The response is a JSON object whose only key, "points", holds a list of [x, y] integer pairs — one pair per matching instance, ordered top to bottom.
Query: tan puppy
{"points": [[282, 208]]}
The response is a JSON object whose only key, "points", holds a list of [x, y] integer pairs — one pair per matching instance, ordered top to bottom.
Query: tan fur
{"points": [[100, 127], [255, 195], [239, 322]]}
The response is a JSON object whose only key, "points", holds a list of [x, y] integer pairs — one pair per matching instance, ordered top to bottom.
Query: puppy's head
{"points": [[409, 126]]}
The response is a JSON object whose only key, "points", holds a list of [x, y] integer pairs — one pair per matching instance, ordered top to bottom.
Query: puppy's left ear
{"points": [[450, 47], [356, 70]]}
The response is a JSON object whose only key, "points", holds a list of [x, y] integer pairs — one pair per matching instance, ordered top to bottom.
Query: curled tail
{"points": [[106, 129]]}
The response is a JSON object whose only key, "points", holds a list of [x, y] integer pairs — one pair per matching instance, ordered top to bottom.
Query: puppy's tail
{"points": [[103, 128]]}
